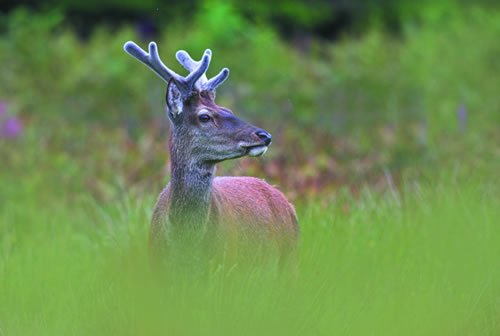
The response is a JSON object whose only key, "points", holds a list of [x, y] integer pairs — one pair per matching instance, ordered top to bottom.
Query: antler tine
{"points": [[151, 60], [186, 61], [217, 80], [203, 84]]}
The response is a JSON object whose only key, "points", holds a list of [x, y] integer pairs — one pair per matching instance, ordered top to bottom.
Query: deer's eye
{"points": [[204, 118]]}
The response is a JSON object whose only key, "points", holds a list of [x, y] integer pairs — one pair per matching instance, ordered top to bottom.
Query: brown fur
{"points": [[242, 210]]}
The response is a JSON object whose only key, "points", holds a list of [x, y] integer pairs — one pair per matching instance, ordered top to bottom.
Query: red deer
{"points": [[196, 205]]}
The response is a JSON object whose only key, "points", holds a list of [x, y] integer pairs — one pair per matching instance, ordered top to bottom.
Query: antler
{"points": [[196, 78], [203, 84]]}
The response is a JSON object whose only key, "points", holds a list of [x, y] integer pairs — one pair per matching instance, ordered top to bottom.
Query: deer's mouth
{"points": [[255, 150]]}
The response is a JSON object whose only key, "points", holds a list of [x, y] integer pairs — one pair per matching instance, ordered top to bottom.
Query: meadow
{"points": [[387, 143], [420, 262]]}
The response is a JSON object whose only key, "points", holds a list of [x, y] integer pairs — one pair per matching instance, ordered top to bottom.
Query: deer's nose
{"points": [[264, 136]]}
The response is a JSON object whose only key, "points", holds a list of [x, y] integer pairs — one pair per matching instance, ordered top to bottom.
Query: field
{"points": [[386, 141], [420, 262]]}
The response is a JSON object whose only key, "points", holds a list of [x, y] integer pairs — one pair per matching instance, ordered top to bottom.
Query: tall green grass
{"points": [[423, 262]]}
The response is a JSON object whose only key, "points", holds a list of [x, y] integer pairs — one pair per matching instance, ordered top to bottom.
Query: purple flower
{"points": [[10, 126]]}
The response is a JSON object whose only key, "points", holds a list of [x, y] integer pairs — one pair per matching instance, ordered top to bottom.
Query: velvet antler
{"points": [[196, 80], [203, 84]]}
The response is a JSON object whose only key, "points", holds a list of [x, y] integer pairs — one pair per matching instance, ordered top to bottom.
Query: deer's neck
{"points": [[190, 187]]}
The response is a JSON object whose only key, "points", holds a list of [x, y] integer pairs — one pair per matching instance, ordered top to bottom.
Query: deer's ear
{"points": [[174, 99]]}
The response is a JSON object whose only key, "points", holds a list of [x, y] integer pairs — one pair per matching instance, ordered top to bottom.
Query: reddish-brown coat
{"points": [[243, 210]]}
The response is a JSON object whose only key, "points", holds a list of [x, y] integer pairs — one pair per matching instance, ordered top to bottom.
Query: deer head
{"points": [[203, 131]]}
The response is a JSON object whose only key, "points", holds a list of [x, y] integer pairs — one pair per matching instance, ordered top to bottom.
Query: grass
{"points": [[423, 262]]}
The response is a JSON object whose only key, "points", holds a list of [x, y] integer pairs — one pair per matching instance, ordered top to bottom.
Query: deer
{"points": [[197, 207]]}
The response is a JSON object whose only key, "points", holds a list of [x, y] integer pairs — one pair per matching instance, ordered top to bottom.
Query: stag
{"points": [[196, 206]]}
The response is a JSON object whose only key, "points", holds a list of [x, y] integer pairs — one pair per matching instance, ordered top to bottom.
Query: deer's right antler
{"points": [[196, 80], [203, 84]]}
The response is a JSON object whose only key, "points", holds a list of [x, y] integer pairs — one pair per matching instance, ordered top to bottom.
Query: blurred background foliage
{"points": [[355, 92]]}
